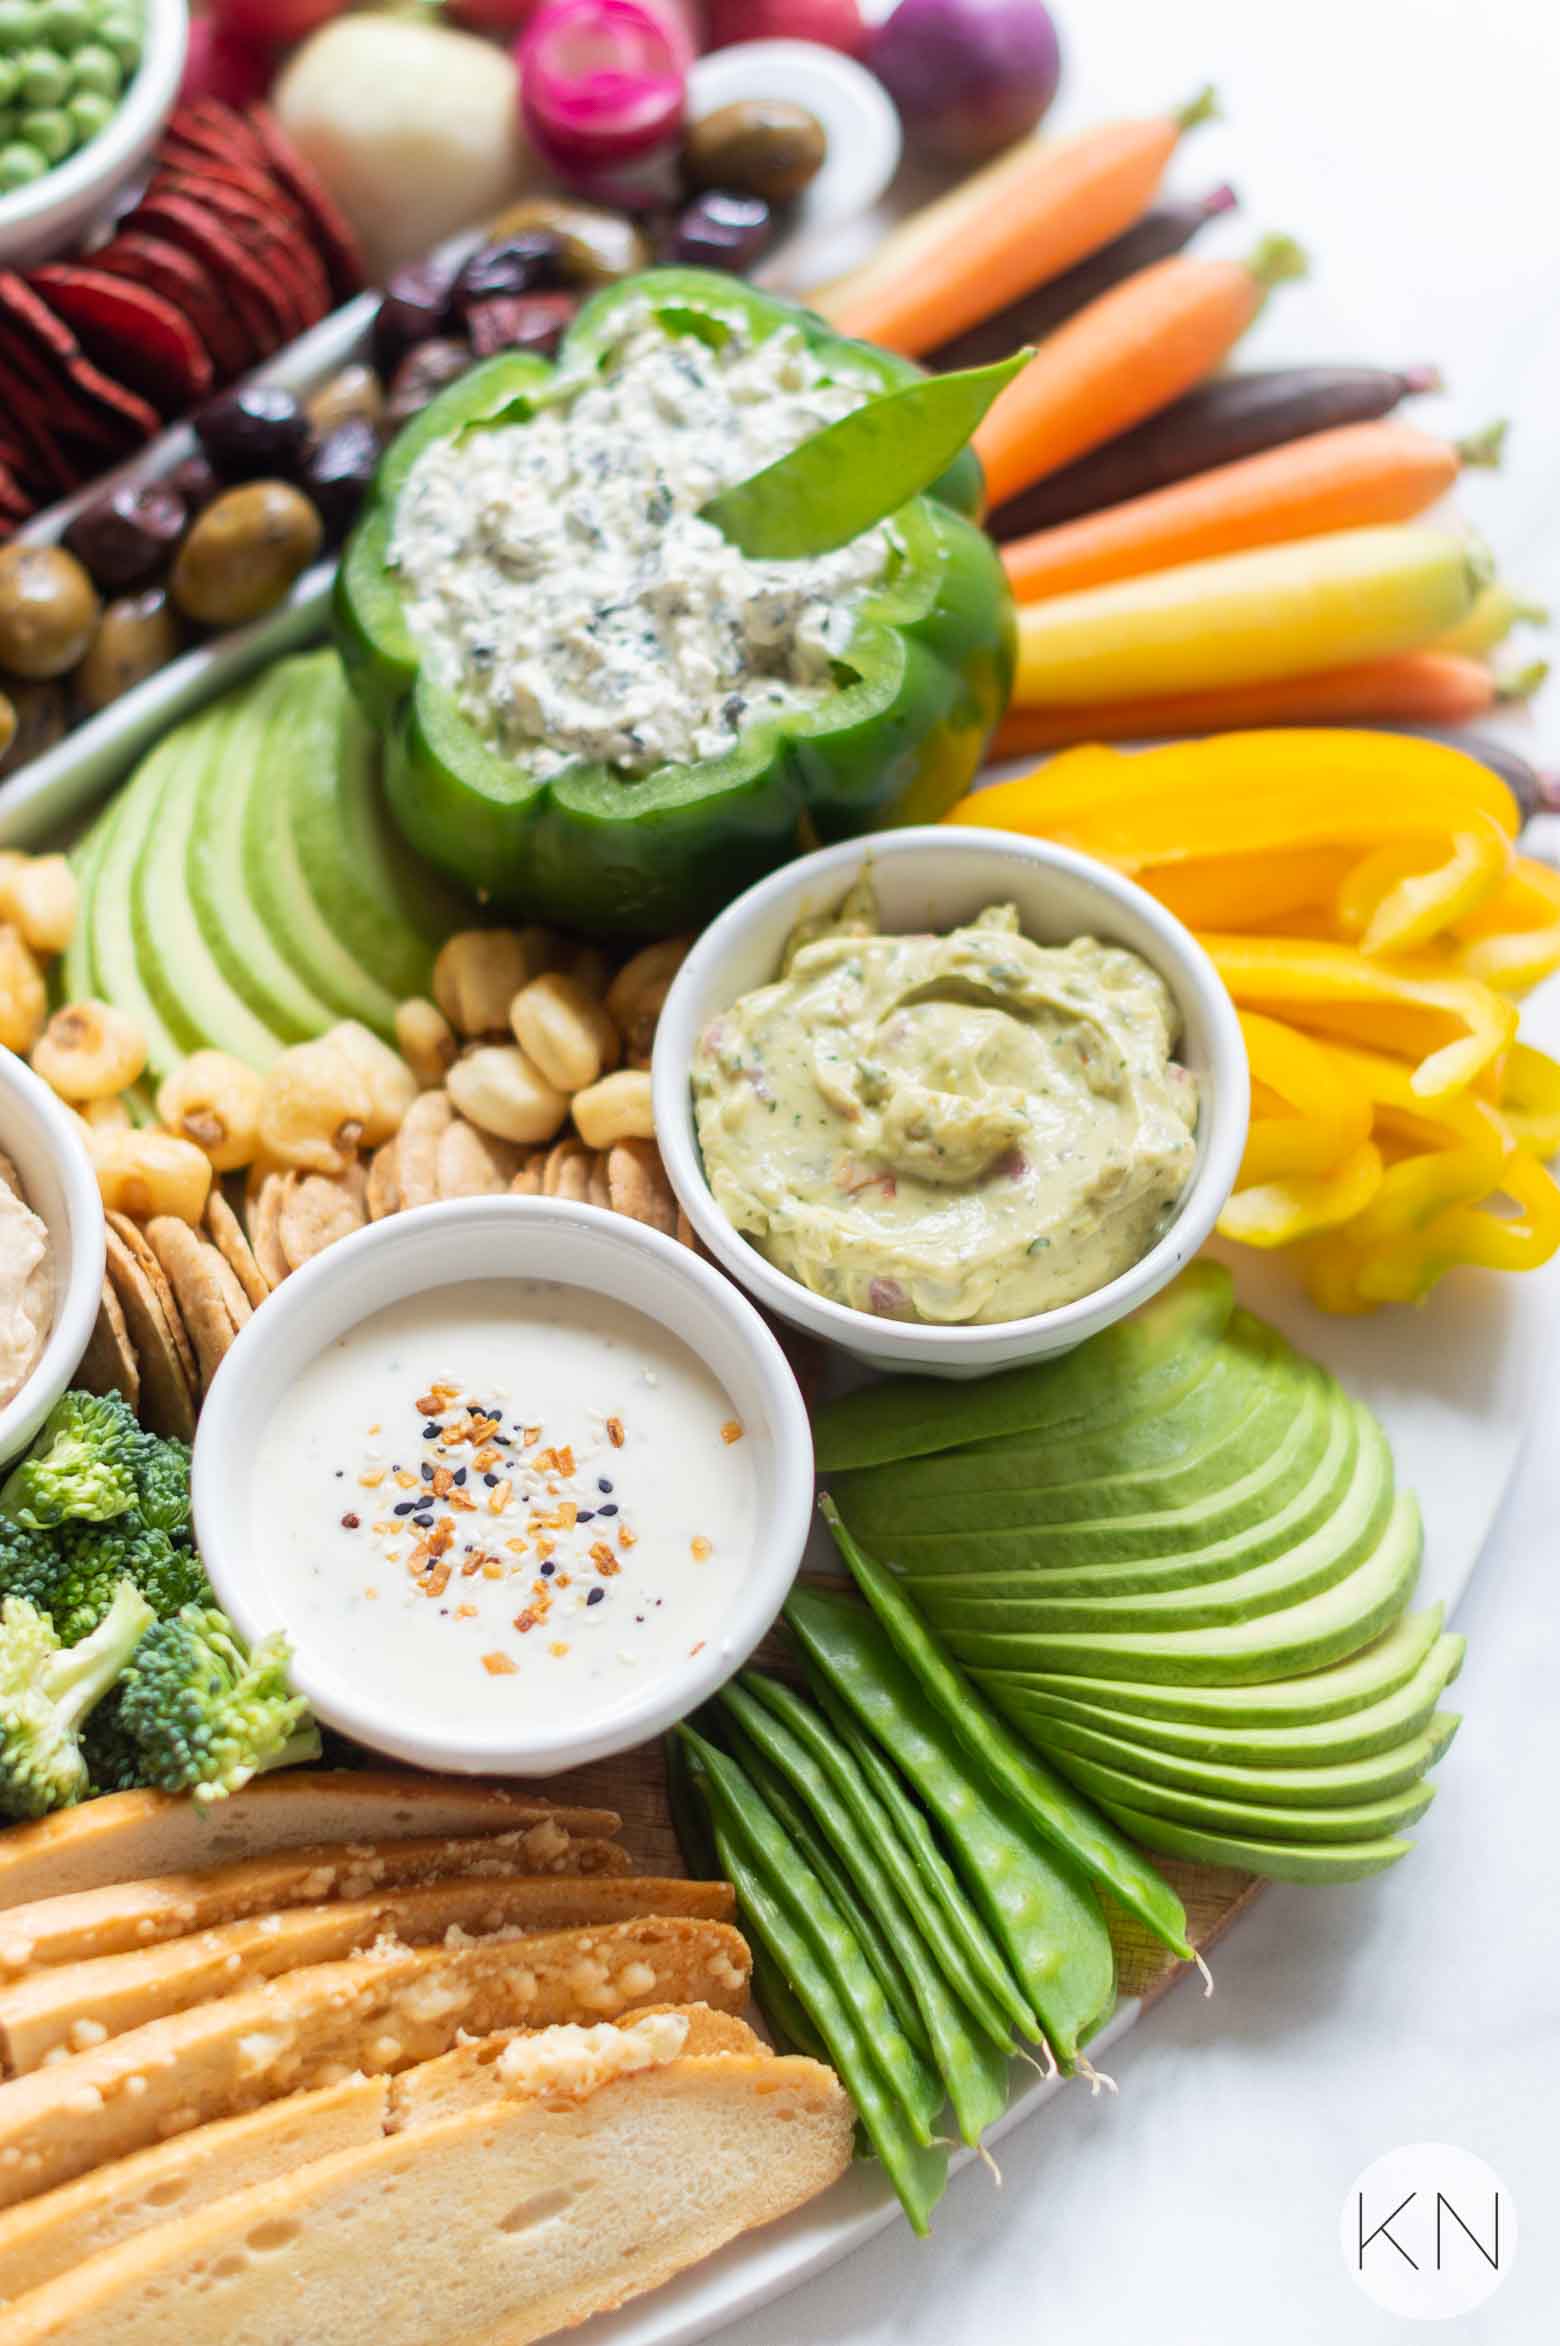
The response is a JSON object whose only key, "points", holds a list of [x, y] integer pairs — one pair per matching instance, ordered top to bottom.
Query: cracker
{"points": [[417, 1147], [470, 1163], [566, 1173], [10, 1177], [528, 1181], [638, 1187], [599, 1189], [382, 1196], [315, 1212], [265, 1226], [227, 1235], [145, 1254], [208, 1297], [109, 1364], [167, 1389]]}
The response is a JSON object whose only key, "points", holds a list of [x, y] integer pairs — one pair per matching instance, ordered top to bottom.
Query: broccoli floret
{"points": [[82, 1465], [162, 1485], [74, 1579], [46, 1692], [203, 1714]]}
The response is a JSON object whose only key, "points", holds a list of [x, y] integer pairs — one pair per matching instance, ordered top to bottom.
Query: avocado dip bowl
{"points": [[602, 709], [928, 882]]}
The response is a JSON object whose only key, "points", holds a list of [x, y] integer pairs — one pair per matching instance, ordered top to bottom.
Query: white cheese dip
{"points": [[557, 578], [506, 1501]]}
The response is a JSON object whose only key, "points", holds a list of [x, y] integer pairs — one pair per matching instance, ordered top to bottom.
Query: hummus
{"points": [[960, 1128], [26, 1292]]}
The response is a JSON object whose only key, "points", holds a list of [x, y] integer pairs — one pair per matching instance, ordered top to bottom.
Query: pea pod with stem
{"points": [[1065, 1818], [1038, 1904], [783, 2008], [972, 2068], [917, 2169]]}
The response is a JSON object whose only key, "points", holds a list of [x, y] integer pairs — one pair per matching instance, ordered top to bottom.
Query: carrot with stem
{"points": [[1037, 210], [1124, 357], [1346, 479]]}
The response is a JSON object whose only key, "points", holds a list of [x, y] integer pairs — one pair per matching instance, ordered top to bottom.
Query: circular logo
{"points": [[1429, 2231]]}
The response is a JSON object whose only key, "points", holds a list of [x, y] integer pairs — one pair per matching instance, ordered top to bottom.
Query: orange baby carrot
{"points": [[1021, 221], [1127, 355], [1342, 479]]}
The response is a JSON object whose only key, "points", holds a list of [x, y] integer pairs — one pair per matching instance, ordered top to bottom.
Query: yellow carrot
{"points": [[1021, 221], [1246, 618], [1491, 620]]}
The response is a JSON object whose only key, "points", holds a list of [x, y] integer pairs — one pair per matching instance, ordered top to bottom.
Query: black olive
{"points": [[722, 230], [531, 262], [415, 307], [521, 321], [421, 375], [260, 430], [339, 472], [194, 480], [126, 538]]}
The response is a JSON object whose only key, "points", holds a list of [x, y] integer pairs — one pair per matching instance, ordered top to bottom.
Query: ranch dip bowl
{"points": [[928, 882], [44, 1336], [521, 1481]]}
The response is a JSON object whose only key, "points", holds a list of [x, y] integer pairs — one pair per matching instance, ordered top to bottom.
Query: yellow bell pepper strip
{"points": [[1280, 611], [1258, 891], [1401, 897], [1513, 941], [1314, 983], [1530, 1100], [1329, 1104], [1276, 1213], [1476, 1236]]}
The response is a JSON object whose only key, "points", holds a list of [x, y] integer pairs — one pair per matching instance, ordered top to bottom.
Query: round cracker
{"points": [[417, 1148], [469, 1163], [566, 1173], [528, 1181], [638, 1187], [598, 1191], [382, 1193], [316, 1211], [265, 1212], [227, 1235], [146, 1255], [202, 1289], [109, 1364], [167, 1389]]}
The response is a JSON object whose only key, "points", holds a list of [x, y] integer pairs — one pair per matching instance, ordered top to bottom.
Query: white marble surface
{"points": [[1412, 145]]}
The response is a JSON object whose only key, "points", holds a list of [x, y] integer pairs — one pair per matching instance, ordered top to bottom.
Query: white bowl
{"points": [[58, 210], [933, 878], [44, 1141], [512, 1237]]}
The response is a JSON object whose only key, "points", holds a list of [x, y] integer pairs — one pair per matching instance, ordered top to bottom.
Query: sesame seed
{"points": [[430, 1433], [491, 1480], [602, 1483], [404, 1506], [610, 1509], [585, 1515], [424, 1521], [548, 1570], [595, 1596]]}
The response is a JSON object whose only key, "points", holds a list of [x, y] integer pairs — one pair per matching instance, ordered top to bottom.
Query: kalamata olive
{"points": [[756, 146], [719, 230], [595, 247], [531, 262], [414, 308], [527, 321], [421, 375], [354, 396], [260, 429], [340, 472], [193, 479], [130, 536], [244, 553], [48, 609], [137, 635], [42, 714], [8, 724]]}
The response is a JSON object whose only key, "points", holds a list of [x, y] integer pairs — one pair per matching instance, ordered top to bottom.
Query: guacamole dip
{"points": [[958, 1128]]}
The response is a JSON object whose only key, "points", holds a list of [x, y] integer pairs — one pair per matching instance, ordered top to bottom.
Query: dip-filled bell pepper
{"points": [[894, 734]]}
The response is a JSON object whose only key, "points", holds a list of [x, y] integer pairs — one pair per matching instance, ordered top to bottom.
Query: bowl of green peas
{"points": [[85, 88]]}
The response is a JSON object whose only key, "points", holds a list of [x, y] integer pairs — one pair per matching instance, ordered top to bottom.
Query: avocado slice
{"points": [[130, 821], [77, 972], [1109, 1378], [1323, 1627], [1340, 1690], [1403, 1712], [1373, 1777], [1365, 1820], [1281, 1861]]}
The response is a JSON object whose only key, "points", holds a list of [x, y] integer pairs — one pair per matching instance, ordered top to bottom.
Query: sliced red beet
{"points": [[217, 130], [271, 230], [338, 246], [167, 269], [244, 282], [146, 341], [125, 415]]}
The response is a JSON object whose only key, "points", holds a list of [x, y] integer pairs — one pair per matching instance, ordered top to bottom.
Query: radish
{"points": [[273, 24], [836, 24], [219, 64]]}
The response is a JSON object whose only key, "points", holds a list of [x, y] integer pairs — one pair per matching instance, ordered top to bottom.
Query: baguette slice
{"points": [[131, 1834], [123, 1917], [80, 2004], [377, 2013], [491, 2228], [52, 2235], [46, 2237]]}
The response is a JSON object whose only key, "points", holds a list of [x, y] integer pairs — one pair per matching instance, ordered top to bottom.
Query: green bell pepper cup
{"points": [[921, 685]]}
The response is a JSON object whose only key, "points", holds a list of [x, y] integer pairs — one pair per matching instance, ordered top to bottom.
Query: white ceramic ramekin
{"points": [[56, 211], [933, 878], [44, 1141], [487, 1238]]}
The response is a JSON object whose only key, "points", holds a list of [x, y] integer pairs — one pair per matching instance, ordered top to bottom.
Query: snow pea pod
{"points": [[858, 470], [778, 1796], [1066, 1819], [984, 1969], [783, 2008], [972, 2068], [915, 2085]]}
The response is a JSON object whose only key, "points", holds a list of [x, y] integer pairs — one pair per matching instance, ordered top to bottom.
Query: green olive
{"points": [[756, 146], [596, 247], [354, 396], [244, 552], [48, 610], [137, 635], [41, 714]]}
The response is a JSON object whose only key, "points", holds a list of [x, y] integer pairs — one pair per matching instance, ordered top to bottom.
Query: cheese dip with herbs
{"points": [[558, 580], [961, 1128], [504, 1501]]}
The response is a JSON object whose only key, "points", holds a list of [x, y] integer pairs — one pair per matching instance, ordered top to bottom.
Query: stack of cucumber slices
{"points": [[1176, 1560]]}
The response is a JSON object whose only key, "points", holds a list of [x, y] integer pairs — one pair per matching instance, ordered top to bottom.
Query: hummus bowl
{"points": [[936, 879], [43, 1139]]}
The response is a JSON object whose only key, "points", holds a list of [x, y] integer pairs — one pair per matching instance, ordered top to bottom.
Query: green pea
{"points": [[67, 23], [18, 24], [123, 37], [96, 69], [45, 77], [90, 115], [50, 131], [20, 165]]}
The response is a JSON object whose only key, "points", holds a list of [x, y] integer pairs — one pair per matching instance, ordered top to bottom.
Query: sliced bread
{"points": [[468, 2077]]}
